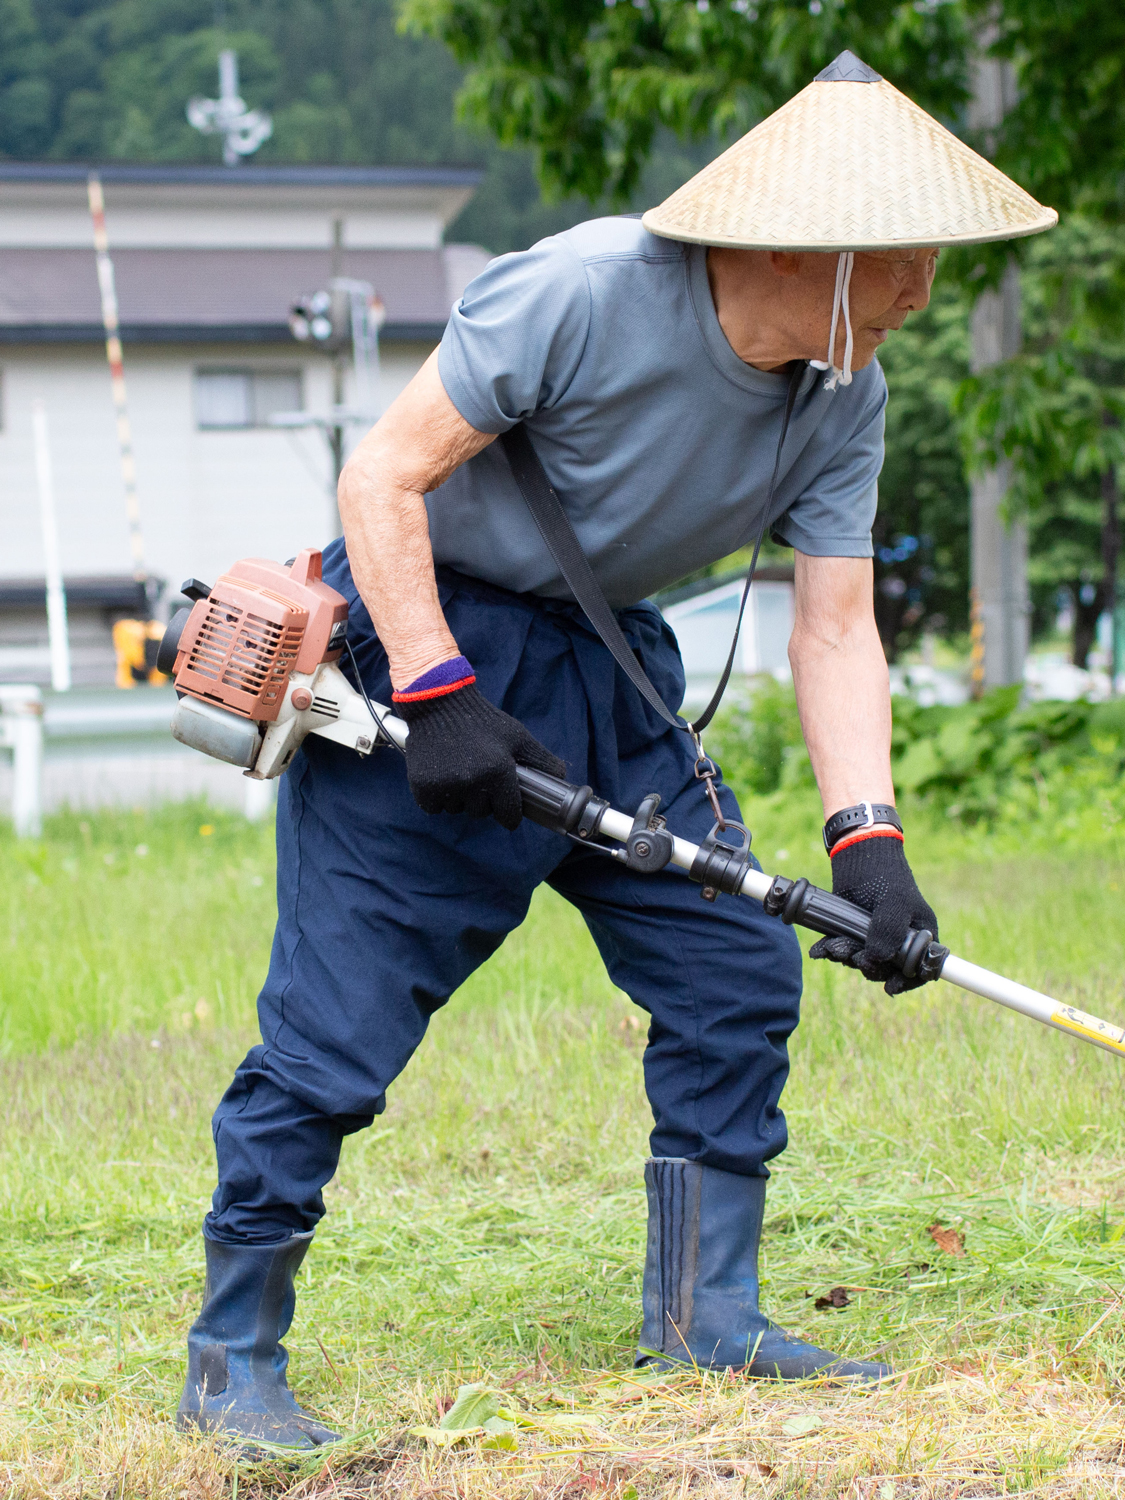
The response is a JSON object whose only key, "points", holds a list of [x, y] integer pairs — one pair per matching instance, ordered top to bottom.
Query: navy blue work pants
{"points": [[384, 910]]}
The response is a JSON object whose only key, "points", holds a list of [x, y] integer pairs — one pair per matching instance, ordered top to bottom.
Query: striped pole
{"points": [[117, 375]]}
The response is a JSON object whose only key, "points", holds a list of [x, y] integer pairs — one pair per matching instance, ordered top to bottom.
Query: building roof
{"points": [[242, 176], [50, 295]]}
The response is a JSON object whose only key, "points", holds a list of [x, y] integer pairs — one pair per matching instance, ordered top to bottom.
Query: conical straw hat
{"points": [[848, 164]]}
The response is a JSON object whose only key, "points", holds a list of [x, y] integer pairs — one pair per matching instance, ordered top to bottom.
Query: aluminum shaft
{"points": [[958, 971]]}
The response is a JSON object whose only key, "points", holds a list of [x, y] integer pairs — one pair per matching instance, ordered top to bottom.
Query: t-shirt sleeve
{"points": [[514, 341], [834, 515]]}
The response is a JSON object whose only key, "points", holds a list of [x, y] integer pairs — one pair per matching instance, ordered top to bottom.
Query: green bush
{"points": [[756, 739], [992, 762]]}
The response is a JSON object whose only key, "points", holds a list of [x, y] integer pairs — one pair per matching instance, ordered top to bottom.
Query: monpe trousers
{"points": [[384, 910]]}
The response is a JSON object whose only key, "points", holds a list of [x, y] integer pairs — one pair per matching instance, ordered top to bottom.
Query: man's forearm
{"points": [[412, 449], [393, 569], [841, 680]]}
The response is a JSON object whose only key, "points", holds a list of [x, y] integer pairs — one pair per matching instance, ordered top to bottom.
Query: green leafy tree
{"points": [[110, 79], [341, 83], [588, 84], [25, 89], [1064, 137], [1055, 408], [921, 531]]}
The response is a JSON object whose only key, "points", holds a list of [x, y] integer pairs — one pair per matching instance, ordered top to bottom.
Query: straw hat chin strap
{"points": [[839, 303]]}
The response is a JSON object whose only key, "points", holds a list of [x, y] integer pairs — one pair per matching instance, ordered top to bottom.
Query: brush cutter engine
{"points": [[254, 663]]}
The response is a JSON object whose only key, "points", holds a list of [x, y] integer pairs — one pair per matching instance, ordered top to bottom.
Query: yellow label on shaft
{"points": [[1080, 1024]]}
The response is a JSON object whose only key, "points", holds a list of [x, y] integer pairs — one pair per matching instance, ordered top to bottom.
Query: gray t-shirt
{"points": [[659, 440]]}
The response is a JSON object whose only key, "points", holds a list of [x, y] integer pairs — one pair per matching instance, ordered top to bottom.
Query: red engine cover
{"points": [[261, 622]]}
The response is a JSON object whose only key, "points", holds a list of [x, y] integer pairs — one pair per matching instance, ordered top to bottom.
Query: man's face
{"points": [[885, 286], [775, 305]]}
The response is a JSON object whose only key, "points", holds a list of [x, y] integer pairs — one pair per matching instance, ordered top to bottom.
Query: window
{"points": [[244, 398]]}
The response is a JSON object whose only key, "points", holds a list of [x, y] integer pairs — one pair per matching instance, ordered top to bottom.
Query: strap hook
{"points": [[708, 772]]}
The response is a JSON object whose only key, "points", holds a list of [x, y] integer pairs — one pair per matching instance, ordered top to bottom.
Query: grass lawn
{"points": [[490, 1226]]}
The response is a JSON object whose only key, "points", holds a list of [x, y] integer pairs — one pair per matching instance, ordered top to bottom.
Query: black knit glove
{"points": [[462, 753], [872, 872]]}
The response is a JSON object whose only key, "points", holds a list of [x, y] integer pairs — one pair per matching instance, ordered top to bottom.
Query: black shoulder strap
{"points": [[546, 507], [557, 531]]}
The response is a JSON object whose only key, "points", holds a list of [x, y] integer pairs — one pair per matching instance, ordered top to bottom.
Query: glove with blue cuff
{"points": [[462, 751]]}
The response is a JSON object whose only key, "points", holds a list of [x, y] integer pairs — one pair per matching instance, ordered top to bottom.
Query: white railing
{"points": [[26, 723], [21, 731]]}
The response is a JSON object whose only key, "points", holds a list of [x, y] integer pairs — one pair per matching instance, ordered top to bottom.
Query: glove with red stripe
{"points": [[462, 751], [870, 870]]}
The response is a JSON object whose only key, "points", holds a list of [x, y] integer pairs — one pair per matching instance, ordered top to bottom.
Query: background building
{"points": [[208, 261], [704, 616]]}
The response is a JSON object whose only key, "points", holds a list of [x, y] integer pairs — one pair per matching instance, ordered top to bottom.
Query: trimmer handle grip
{"points": [[558, 805], [800, 901]]}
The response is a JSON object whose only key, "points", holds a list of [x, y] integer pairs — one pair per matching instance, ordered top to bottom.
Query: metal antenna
{"points": [[243, 130]]}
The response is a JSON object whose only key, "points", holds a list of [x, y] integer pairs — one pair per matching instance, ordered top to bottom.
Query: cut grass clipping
{"points": [[953, 1201]]}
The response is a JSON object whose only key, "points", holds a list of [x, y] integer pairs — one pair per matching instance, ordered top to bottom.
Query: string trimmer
{"points": [[255, 664]]}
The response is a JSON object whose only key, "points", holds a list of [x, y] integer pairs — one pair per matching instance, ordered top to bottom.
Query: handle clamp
{"points": [[649, 846], [721, 866]]}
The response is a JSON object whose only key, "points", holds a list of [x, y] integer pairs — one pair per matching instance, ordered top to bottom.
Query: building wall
{"points": [[206, 497], [704, 625], [25, 654]]}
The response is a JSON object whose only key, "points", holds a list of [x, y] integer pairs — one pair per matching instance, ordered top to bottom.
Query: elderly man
{"points": [[669, 377]]}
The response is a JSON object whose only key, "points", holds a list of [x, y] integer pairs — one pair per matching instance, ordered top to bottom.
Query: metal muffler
{"points": [[216, 732]]}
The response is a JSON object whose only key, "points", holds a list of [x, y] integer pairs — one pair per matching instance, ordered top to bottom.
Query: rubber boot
{"points": [[701, 1281], [236, 1363]]}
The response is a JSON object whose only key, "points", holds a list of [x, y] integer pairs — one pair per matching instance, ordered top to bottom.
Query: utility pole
{"points": [[108, 287], [343, 318], [336, 432], [1113, 596], [1000, 599], [57, 638]]}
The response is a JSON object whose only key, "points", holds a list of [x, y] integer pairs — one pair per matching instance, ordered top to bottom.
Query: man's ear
{"points": [[785, 262]]}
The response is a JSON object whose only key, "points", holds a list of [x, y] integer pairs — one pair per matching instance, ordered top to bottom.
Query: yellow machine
{"points": [[135, 644]]}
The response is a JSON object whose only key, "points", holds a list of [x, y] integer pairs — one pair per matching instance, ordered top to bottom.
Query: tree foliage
{"points": [[111, 78], [589, 83], [1064, 138], [921, 531], [997, 760]]}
